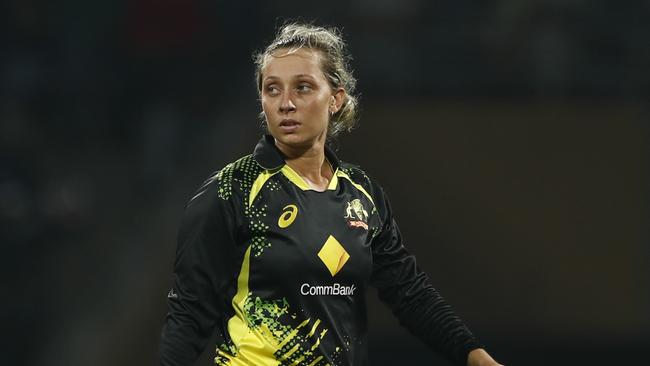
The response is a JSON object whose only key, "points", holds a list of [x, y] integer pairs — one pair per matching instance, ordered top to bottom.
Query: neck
{"points": [[309, 162]]}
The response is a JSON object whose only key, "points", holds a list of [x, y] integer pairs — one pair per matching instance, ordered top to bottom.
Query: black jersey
{"points": [[281, 270]]}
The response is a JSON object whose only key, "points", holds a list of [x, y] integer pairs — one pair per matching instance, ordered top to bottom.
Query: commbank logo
{"points": [[333, 255], [334, 258], [336, 290]]}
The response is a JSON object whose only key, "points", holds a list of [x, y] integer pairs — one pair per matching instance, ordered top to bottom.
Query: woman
{"points": [[277, 249]]}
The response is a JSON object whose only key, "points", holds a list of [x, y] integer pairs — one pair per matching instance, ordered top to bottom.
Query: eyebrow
{"points": [[298, 76], [304, 76]]}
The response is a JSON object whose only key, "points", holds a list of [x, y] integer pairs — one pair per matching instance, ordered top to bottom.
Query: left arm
{"points": [[410, 295]]}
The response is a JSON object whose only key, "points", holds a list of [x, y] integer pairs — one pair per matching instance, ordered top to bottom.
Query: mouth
{"points": [[289, 125]]}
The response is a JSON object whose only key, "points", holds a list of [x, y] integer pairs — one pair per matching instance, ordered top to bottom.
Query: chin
{"points": [[291, 139], [297, 140]]}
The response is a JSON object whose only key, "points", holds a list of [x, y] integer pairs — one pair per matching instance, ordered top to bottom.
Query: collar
{"points": [[269, 157]]}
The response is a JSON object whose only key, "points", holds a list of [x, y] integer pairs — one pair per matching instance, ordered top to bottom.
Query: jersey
{"points": [[281, 270]]}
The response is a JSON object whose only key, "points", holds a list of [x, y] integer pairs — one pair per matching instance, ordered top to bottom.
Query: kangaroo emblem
{"points": [[355, 210]]}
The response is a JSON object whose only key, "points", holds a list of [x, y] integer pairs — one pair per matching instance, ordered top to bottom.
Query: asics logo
{"points": [[289, 214]]}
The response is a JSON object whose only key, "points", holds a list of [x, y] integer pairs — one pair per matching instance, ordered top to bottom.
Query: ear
{"points": [[337, 99]]}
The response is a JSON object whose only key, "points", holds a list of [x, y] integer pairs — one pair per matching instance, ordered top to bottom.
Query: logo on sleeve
{"points": [[289, 214], [356, 215]]}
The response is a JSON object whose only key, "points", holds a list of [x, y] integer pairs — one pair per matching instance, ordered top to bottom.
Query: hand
{"points": [[479, 357]]}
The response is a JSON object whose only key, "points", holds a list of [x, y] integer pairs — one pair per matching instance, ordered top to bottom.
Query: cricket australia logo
{"points": [[356, 215]]}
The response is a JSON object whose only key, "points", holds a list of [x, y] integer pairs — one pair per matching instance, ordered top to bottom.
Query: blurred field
{"points": [[525, 122]]}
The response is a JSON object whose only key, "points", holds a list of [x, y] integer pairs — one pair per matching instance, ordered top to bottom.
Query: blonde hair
{"points": [[335, 64]]}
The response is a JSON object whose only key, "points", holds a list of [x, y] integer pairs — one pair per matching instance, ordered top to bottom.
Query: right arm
{"points": [[205, 242]]}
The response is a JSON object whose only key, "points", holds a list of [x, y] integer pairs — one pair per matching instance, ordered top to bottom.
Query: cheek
{"points": [[320, 106], [266, 107]]}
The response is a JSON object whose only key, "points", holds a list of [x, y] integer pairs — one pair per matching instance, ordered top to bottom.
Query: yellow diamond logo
{"points": [[333, 255]]}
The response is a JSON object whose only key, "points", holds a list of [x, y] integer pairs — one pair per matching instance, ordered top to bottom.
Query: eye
{"points": [[304, 87], [272, 90]]}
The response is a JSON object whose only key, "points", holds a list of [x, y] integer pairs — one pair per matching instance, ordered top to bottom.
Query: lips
{"points": [[289, 125]]}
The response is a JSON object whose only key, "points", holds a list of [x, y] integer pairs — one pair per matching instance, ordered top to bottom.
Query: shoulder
{"points": [[355, 172], [359, 176], [236, 177], [228, 184], [215, 208]]}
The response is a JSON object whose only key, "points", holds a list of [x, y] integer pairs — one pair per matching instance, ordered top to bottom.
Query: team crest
{"points": [[356, 215]]}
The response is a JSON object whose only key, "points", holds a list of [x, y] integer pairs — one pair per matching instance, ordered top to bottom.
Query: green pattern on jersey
{"points": [[244, 172], [295, 342]]}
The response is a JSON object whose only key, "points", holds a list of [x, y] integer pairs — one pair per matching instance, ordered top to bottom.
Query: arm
{"points": [[200, 275], [407, 291]]}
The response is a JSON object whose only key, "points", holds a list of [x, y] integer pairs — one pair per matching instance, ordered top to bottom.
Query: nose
{"points": [[287, 104]]}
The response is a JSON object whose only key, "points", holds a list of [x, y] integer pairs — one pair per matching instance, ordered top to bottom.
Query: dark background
{"points": [[512, 137]]}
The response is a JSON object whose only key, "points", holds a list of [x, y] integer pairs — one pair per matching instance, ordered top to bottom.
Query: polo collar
{"points": [[269, 157]]}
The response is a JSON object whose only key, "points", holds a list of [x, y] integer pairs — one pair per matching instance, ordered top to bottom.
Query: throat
{"points": [[315, 178], [319, 186]]}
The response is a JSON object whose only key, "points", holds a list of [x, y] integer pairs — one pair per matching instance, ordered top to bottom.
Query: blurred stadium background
{"points": [[525, 123]]}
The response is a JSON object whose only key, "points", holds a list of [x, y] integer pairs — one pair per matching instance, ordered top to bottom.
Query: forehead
{"points": [[286, 62]]}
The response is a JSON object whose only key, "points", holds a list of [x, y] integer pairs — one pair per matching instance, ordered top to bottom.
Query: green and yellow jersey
{"points": [[281, 270]]}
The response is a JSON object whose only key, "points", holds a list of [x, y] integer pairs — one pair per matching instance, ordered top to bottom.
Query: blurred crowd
{"points": [[110, 110]]}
